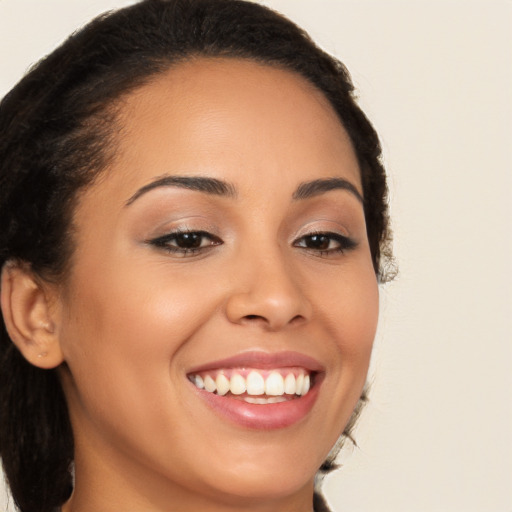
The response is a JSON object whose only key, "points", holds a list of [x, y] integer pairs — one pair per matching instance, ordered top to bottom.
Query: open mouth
{"points": [[254, 385], [259, 390]]}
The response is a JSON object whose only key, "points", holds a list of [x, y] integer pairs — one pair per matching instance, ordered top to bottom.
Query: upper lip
{"points": [[264, 361]]}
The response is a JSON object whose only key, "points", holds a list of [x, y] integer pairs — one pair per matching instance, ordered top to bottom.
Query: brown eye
{"points": [[189, 240], [318, 242], [184, 243], [325, 243]]}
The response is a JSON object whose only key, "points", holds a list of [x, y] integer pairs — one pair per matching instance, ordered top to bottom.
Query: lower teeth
{"points": [[263, 401]]}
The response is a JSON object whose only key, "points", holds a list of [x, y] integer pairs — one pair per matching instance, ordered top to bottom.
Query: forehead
{"points": [[232, 119]]}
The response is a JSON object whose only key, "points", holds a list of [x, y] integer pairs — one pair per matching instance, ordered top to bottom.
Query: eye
{"points": [[183, 243], [326, 243]]}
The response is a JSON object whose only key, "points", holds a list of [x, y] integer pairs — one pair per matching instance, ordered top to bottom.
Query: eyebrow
{"points": [[199, 183], [321, 186], [221, 188]]}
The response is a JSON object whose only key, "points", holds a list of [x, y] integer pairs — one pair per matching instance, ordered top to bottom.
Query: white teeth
{"points": [[198, 381], [209, 384], [222, 384], [237, 384], [255, 384], [289, 384], [298, 384], [274, 385], [305, 385], [276, 399], [263, 401]]}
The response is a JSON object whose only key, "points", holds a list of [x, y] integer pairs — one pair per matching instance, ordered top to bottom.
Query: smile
{"points": [[270, 386], [257, 390]]}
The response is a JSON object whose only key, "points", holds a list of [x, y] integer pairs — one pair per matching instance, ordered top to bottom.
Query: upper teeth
{"points": [[254, 382]]}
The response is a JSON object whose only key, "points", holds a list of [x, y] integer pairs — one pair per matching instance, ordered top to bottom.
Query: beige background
{"points": [[436, 78]]}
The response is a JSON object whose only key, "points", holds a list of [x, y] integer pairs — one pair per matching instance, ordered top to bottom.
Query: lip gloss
{"points": [[256, 416], [262, 416]]}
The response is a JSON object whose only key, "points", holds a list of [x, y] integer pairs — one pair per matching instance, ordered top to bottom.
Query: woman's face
{"points": [[225, 248]]}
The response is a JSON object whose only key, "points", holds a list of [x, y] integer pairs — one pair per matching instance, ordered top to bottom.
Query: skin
{"points": [[132, 318]]}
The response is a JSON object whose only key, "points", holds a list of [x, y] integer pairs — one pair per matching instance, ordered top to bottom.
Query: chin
{"points": [[266, 476], [259, 487]]}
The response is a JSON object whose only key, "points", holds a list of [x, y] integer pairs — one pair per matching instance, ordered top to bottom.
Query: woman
{"points": [[193, 224]]}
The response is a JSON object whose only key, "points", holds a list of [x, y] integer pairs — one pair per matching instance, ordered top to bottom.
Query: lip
{"points": [[263, 361], [262, 417]]}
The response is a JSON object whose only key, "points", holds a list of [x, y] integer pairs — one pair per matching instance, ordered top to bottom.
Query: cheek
{"points": [[348, 305], [134, 308], [350, 315], [359, 316], [123, 330], [122, 341]]}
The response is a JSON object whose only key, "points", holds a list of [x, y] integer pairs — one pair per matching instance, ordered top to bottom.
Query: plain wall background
{"points": [[435, 77]]}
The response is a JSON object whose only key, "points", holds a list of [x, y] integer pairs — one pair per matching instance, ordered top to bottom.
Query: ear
{"points": [[28, 308]]}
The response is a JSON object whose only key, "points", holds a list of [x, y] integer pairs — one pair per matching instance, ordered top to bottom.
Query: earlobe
{"points": [[29, 315]]}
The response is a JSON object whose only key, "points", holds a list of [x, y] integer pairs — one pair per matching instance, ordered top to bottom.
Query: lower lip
{"points": [[262, 417]]}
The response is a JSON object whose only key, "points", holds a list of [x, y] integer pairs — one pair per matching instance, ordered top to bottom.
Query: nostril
{"points": [[255, 308], [253, 319], [270, 322]]}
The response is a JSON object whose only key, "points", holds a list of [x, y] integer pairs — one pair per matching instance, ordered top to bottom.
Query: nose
{"points": [[265, 291]]}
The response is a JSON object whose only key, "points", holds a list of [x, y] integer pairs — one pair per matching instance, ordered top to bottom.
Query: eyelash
{"points": [[164, 242], [344, 243]]}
